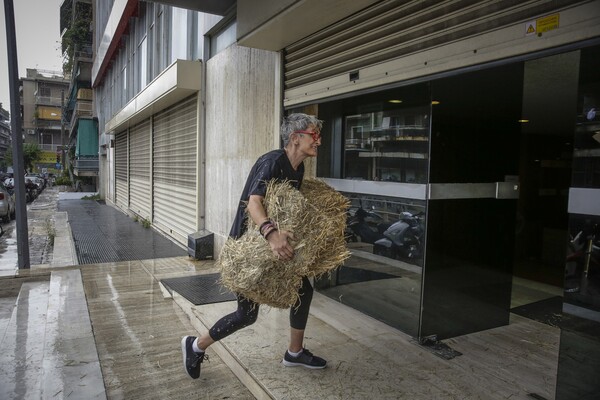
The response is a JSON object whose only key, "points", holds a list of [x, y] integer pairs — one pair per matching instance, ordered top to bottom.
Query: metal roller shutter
{"points": [[392, 29], [121, 169], [174, 170], [140, 184]]}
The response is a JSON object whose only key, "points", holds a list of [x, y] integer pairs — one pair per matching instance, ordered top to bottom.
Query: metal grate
{"points": [[121, 168], [174, 169], [140, 185], [104, 234], [200, 289]]}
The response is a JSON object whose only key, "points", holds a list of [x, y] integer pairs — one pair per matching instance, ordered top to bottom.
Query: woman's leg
{"points": [[245, 315], [299, 316]]}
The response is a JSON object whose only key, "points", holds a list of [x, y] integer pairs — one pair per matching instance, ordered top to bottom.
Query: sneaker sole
{"points": [[183, 346], [183, 353], [292, 364]]}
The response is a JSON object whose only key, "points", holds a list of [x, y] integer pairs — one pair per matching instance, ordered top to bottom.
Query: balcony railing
{"points": [[47, 100], [83, 109], [49, 147], [86, 164]]}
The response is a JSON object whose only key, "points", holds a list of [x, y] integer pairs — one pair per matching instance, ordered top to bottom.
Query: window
{"points": [[179, 34], [223, 39], [143, 63], [45, 91], [377, 137]]}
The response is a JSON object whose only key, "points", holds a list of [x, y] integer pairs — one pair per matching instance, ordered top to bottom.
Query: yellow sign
{"points": [[546, 24], [541, 25], [530, 28], [47, 157]]}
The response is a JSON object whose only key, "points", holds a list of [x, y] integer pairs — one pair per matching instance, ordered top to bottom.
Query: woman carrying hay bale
{"points": [[301, 137]]}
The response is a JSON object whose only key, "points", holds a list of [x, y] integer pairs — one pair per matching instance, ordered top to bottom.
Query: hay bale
{"points": [[316, 215]]}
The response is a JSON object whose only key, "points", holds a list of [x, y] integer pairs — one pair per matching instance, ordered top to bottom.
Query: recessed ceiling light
{"points": [[395, 101], [523, 121]]}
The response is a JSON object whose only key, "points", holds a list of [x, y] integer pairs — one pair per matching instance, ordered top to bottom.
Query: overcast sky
{"points": [[38, 40]]}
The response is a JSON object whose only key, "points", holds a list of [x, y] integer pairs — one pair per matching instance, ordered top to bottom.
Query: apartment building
{"points": [[41, 96], [5, 138]]}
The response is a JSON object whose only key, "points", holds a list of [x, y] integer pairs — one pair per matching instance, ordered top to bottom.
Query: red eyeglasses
{"points": [[315, 135]]}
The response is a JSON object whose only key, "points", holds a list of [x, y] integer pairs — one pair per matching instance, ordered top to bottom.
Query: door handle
{"points": [[490, 190]]}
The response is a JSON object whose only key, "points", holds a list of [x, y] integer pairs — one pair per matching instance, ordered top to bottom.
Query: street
{"points": [[40, 221]]}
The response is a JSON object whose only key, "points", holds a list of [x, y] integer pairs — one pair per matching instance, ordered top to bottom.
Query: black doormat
{"points": [[347, 275], [199, 289], [547, 311]]}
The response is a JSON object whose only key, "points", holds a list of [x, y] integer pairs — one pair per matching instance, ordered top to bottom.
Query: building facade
{"points": [[42, 94], [465, 134], [5, 138], [81, 153]]}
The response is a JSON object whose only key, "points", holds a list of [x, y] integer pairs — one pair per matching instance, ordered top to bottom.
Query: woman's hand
{"points": [[280, 245]]}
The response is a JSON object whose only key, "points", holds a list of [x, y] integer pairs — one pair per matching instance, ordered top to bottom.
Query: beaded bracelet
{"points": [[265, 223], [266, 236]]}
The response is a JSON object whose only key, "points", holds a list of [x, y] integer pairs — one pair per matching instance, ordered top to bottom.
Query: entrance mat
{"points": [[347, 275], [199, 289], [547, 311]]}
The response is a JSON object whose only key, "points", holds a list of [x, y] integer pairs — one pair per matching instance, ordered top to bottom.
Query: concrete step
{"points": [[22, 348], [48, 349], [368, 359], [361, 364], [71, 366]]}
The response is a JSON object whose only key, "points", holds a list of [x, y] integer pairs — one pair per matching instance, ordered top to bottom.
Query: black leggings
{"points": [[247, 313]]}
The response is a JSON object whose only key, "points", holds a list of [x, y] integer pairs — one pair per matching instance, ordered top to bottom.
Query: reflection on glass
{"points": [[390, 145], [582, 274], [382, 278]]}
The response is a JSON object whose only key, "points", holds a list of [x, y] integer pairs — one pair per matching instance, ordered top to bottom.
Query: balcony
{"points": [[48, 101], [82, 109], [49, 147], [85, 166]]}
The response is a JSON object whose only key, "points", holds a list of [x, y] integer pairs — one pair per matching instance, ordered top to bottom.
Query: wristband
{"points": [[266, 236]]}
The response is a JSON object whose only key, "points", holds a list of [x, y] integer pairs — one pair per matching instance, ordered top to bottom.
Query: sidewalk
{"points": [[136, 335]]}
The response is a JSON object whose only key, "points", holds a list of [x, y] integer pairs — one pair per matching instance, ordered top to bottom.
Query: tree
{"points": [[77, 35], [31, 153]]}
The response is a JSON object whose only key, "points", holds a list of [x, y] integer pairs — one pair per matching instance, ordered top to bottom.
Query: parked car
{"points": [[7, 204]]}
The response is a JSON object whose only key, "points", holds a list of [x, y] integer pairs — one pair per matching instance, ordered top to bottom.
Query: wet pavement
{"points": [[106, 331]]}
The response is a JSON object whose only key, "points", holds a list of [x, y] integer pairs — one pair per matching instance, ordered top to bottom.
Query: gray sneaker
{"points": [[191, 359], [305, 359]]}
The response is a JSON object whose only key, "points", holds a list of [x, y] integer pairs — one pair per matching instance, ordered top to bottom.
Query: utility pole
{"points": [[62, 131], [17, 138]]}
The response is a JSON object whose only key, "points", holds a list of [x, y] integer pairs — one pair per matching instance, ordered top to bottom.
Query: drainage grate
{"points": [[103, 234], [200, 289], [439, 349]]}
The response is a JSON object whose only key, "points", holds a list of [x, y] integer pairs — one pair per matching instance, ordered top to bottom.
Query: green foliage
{"points": [[77, 35], [31, 153], [63, 180], [92, 197], [135, 218], [146, 223], [50, 231]]}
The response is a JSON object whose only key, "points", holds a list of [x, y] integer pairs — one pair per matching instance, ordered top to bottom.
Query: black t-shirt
{"points": [[273, 165]]}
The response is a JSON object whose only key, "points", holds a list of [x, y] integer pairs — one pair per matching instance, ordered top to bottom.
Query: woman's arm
{"points": [[278, 240]]}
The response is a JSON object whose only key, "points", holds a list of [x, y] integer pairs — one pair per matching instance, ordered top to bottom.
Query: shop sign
{"points": [[541, 25], [47, 157]]}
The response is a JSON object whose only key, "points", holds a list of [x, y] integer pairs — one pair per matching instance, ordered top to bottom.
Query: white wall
{"points": [[242, 119]]}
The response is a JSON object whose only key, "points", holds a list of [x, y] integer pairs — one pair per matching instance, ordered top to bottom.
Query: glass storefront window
{"points": [[389, 145]]}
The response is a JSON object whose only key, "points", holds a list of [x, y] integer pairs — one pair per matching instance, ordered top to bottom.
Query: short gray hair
{"points": [[298, 122]]}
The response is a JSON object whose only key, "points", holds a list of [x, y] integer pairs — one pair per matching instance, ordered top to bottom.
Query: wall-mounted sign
{"points": [[541, 25]]}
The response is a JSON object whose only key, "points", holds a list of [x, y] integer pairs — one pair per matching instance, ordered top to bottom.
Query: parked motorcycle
{"points": [[364, 226], [404, 239], [583, 259]]}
